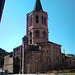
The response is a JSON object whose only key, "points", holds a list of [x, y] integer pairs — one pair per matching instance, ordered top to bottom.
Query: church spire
{"points": [[38, 6]]}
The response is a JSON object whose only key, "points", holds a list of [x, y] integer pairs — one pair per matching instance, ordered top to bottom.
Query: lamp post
{"points": [[36, 65], [21, 71]]}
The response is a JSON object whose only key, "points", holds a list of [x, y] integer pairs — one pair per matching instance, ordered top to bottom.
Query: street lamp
{"points": [[36, 60], [36, 65], [21, 71]]}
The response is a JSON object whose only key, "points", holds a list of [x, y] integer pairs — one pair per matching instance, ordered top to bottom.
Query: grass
{"points": [[69, 74]]}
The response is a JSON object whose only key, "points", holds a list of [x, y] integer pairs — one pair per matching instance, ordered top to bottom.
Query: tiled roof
{"points": [[38, 6]]}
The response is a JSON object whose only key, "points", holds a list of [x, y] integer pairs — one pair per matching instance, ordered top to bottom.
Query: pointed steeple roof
{"points": [[38, 6]]}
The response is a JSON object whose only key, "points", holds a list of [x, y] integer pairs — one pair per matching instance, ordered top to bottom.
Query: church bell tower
{"points": [[37, 26]]}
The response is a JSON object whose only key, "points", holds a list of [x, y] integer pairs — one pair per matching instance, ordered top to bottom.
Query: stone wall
{"points": [[8, 63]]}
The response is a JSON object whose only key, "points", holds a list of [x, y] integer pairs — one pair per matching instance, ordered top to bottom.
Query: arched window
{"points": [[37, 19], [42, 19], [30, 21], [45, 21], [37, 34], [44, 34], [30, 35], [30, 41], [17, 60], [17, 65]]}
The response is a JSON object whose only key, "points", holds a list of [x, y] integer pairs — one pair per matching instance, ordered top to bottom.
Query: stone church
{"points": [[37, 53]]}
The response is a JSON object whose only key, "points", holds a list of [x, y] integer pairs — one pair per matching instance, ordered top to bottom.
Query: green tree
{"points": [[2, 54], [71, 55]]}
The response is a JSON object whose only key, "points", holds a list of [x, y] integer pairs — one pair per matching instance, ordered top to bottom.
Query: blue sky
{"points": [[61, 23]]}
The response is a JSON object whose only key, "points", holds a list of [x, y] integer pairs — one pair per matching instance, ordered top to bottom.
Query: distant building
{"points": [[1, 7], [37, 53], [70, 62], [8, 63]]}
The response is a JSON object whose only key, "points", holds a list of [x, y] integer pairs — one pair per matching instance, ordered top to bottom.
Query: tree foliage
{"points": [[2, 54], [71, 55]]}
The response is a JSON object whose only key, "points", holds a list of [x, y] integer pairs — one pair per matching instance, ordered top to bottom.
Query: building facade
{"points": [[37, 53]]}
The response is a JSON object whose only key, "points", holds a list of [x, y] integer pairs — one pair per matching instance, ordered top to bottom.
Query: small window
{"points": [[37, 19], [44, 20], [30, 21], [44, 34], [30, 35], [30, 41], [47, 51], [11, 55]]}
